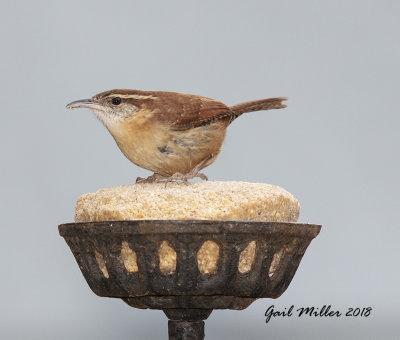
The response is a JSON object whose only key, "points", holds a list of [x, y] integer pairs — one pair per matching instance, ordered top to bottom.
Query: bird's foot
{"points": [[178, 176], [151, 179]]}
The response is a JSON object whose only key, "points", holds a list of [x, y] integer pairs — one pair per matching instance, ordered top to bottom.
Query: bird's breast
{"points": [[152, 145]]}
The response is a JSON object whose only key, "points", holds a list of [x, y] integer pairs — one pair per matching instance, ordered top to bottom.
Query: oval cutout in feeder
{"points": [[167, 257], [207, 257], [247, 257], [129, 258], [101, 263], [276, 263]]}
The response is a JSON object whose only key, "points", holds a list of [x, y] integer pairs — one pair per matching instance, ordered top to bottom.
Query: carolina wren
{"points": [[174, 135]]}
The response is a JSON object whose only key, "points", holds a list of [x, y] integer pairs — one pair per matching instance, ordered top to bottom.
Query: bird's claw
{"points": [[177, 176], [151, 179]]}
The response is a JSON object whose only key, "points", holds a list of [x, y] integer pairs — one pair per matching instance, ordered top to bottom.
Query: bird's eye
{"points": [[116, 100]]}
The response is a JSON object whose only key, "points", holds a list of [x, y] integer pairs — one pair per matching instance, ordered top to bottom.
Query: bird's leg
{"points": [[177, 176], [151, 179]]}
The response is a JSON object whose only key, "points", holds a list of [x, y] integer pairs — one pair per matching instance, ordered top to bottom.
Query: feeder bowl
{"points": [[187, 268]]}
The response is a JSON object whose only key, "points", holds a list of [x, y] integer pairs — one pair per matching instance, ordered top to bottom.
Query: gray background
{"points": [[336, 148]]}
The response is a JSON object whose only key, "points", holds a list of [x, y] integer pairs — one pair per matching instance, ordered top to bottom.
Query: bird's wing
{"points": [[190, 111]]}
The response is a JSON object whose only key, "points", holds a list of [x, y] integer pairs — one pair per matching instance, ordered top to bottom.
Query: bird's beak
{"points": [[85, 103]]}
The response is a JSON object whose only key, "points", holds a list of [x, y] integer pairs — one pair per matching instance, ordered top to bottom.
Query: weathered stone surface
{"points": [[182, 201]]}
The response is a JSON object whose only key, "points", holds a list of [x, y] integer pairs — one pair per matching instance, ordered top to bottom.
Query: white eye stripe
{"points": [[132, 96]]}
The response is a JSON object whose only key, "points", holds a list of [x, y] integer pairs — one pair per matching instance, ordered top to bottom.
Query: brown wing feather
{"points": [[189, 111]]}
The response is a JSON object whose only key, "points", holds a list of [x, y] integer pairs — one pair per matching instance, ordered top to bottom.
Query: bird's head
{"points": [[112, 106]]}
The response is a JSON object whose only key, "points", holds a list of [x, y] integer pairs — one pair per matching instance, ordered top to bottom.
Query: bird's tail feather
{"points": [[258, 105]]}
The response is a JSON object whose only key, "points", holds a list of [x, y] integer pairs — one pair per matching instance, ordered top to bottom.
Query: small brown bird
{"points": [[174, 135]]}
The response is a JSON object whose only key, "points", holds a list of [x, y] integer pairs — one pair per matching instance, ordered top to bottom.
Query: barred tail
{"points": [[258, 105]]}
